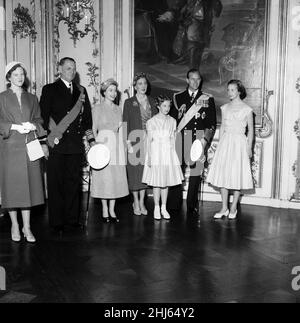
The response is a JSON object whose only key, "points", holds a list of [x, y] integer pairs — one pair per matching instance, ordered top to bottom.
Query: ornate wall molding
{"points": [[72, 13], [24, 26], [267, 128], [278, 152], [296, 166]]}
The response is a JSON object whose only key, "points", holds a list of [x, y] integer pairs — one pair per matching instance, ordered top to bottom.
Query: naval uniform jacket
{"points": [[56, 102], [205, 119]]}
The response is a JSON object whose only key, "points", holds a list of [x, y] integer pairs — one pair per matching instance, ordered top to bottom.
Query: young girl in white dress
{"points": [[231, 166], [162, 169]]}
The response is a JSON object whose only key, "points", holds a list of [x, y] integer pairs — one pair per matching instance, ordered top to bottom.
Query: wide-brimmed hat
{"points": [[11, 65], [105, 85], [197, 151], [98, 156]]}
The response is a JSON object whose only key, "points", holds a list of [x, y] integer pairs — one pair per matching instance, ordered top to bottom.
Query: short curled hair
{"points": [[140, 76], [240, 87], [161, 99]]}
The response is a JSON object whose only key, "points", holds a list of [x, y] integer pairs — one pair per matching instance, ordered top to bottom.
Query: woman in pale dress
{"points": [[231, 166], [162, 168], [109, 183]]}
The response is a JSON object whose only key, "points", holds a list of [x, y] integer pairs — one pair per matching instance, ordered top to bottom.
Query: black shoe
{"points": [[106, 220], [114, 220]]}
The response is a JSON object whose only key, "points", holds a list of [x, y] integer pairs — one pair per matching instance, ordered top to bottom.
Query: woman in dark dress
{"points": [[137, 111], [21, 179]]}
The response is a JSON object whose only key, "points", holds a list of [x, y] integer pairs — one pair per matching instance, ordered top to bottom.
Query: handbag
{"points": [[34, 149]]}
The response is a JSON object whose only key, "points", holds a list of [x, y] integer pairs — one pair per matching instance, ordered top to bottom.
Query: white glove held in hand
{"points": [[29, 126], [21, 129]]}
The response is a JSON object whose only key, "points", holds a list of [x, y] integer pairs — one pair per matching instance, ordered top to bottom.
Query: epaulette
{"points": [[174, 98]]}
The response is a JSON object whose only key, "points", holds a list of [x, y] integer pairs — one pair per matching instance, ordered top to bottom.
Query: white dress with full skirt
{"points": [[231, 167], [165, 170]]}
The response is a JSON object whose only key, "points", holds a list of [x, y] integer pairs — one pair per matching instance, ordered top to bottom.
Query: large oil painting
{"points": [[225, 39]]}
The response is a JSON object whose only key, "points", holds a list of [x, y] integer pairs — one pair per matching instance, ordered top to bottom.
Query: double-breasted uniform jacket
{"points": [[56, 102], [202, 125]]}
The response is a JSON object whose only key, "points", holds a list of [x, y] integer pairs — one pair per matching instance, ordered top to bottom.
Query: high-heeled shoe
{"points": [[136, 211], [157, 214], [165, 214], [220, 215], [233, 216], [106, 219], [114, 219], [15, 235], [29, 237]]}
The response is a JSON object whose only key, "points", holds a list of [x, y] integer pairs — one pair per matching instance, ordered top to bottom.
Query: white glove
{"points": [[29, 126], [21, 129]]}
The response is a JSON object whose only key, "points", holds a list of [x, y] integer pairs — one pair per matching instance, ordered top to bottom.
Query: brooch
{"points": [[56, 141]]}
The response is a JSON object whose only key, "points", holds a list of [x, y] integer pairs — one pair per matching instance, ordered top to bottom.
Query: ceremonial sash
{"points": [[201, 102], [57, 131]]}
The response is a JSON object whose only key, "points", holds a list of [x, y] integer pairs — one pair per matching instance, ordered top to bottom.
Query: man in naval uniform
{"points": [[195, 112], [67, 116]]}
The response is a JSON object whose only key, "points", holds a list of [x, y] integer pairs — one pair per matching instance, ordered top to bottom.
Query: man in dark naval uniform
{"points": [[66, 111], [195, 112]]}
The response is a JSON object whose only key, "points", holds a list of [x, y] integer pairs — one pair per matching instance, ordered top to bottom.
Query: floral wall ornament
{"points": [[73, 13], [23, 23], [93, 74], [298, 85], [297, 129]]}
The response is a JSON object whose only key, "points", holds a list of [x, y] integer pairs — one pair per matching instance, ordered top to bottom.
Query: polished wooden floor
{"points": [[186, 260]]}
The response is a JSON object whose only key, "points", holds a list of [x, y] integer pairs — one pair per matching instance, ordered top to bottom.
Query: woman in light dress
{"points": [[231, 166], [162, 167], [110, 183]]}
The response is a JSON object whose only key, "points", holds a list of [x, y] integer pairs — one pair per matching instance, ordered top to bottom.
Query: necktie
{"points": [[70, 88], [192, 97]]}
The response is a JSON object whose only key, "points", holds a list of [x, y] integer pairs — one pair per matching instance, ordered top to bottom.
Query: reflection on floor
{"points": [[187, 260]]}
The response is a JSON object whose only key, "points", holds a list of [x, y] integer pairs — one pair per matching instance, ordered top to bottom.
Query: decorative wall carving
{"points": [[73, 13], [23, 24], [93, 74], [267, 124]]}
